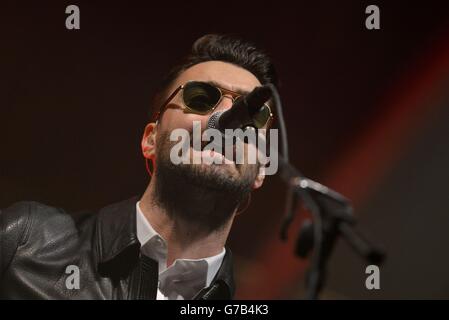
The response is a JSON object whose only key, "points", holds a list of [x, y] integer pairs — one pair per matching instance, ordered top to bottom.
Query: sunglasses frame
{"points": [[223, 92]]}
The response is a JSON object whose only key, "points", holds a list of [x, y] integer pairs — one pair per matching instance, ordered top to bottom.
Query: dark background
{"points": [[367, 113]]}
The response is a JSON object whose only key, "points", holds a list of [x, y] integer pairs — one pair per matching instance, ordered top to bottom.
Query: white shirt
{"points": [[185, 277]]}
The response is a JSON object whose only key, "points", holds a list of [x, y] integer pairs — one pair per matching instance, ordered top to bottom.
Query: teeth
{"points": [[211, 156]]}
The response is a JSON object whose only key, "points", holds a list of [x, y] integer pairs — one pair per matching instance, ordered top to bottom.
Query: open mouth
{"points": [[214, 153]]}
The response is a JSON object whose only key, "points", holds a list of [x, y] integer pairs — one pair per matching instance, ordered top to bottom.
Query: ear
{"points": [[148, 143], [260, 178]]}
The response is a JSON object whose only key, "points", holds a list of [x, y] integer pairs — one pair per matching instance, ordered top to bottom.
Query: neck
{"points": [[185, 240]]}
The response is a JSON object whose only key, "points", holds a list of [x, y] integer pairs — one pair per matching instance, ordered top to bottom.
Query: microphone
{"points": [[242, 110]]}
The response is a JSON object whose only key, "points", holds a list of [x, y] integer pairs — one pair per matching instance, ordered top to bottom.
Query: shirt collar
{"points": [[184, 276]]}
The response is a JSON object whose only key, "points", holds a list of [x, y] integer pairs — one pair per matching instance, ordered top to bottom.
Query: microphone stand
{"points": [[331, 212], [332, 217]]}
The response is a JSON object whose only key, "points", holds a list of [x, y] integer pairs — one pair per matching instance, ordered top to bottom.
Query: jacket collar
{"points": [[117, 245], [118, 248]]}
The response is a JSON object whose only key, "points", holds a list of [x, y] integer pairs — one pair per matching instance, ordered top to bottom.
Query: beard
{"points": [[203, 195]]}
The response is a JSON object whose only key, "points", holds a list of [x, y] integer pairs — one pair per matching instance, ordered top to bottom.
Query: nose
{"points": [[225, 103]]}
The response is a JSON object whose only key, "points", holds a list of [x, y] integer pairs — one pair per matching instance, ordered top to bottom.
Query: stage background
{"points": [[367, 113]]}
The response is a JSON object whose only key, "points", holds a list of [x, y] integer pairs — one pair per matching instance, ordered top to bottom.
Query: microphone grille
{"points": [[212, 123]]}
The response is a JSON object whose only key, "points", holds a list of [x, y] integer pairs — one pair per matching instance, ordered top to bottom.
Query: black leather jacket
{"points": [[38, 243]]}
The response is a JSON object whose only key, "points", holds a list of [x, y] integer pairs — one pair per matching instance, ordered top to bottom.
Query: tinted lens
{"points": [[200, 97], [261, 118]]}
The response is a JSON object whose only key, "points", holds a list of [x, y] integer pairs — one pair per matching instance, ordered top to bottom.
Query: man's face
{"points": [[227, 76]]}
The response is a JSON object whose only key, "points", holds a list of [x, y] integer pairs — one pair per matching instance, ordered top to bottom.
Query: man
{"points": [[170, 242]]}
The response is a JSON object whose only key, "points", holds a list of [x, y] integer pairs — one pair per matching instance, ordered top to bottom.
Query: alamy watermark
{"points": [[372, 21], [72, 22], [226, 148], [72, 282], [372, 282]]}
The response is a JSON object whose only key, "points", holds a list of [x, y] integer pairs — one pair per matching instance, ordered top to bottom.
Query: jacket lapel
{"points": [[117, 246], [222, 287]]}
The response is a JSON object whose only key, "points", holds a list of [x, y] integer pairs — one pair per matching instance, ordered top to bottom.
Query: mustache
{"points": [[227, 145], [239, 147]]}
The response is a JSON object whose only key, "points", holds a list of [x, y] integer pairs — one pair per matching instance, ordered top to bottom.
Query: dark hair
{"points": [[213, 47]]}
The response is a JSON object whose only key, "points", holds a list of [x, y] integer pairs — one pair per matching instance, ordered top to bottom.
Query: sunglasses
{"points": [[202, 98]]}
